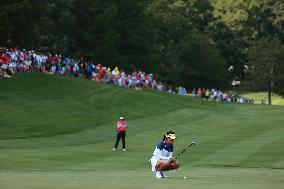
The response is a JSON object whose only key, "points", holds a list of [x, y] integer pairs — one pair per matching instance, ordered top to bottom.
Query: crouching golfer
{"points": [[163, 159]]}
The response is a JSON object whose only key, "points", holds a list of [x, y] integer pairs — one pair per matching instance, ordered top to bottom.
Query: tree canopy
{"points": [[184, 42]]}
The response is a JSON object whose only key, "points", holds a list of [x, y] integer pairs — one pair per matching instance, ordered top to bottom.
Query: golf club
{"points": [[192, 143]]}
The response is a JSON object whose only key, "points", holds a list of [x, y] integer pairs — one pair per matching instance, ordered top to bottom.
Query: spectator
{"points": [[194, 93], [121, 126]]}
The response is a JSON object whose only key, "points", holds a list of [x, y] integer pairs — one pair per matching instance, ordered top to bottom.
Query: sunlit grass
{"points": [[276, 99], [58, 132]]}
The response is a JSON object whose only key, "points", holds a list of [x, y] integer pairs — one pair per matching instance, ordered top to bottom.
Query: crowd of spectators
{"points": [[13, 61], [213, 95], [216, 95]]}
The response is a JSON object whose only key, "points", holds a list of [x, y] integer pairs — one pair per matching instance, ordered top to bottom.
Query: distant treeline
{"points": [[190, 43]]}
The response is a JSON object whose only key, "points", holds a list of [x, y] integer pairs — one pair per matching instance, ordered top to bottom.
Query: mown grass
{"points": [[258, 96], [58, 132]]}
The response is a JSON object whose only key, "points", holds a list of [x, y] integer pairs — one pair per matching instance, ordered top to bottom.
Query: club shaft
{"points": [[184, 150]]}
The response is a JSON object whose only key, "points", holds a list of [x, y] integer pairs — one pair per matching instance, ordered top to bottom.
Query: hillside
{"points": [[52, 123]]}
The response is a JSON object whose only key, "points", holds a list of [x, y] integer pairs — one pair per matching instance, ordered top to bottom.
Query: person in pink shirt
{"points": [[121, 126]]}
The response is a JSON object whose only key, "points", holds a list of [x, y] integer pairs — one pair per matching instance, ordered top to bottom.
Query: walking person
{"points": [[121, 133], [163, 159]]}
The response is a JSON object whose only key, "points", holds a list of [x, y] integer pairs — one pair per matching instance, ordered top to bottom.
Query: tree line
{"points": [[190, 43]]}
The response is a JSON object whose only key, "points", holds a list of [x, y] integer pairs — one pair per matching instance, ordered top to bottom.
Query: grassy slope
{"points": [[276, 99], [55, 129]]}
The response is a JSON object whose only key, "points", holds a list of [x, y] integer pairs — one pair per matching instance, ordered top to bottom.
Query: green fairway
{"points": [[58, 132], [195, 178]]}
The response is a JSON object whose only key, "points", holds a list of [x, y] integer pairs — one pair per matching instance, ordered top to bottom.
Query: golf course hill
{"points": [[55, 123]]}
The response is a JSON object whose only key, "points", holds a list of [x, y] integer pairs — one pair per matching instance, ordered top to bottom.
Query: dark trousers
{"points": [[120, 135]]}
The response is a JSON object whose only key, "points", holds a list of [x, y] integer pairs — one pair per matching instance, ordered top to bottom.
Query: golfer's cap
{"points": [[121, 117], [172, 136]]}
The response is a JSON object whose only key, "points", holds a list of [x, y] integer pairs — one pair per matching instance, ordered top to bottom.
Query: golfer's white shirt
{"points": [[163, 151]]}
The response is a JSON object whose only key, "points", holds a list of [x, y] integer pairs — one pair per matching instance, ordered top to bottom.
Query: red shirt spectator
{"points": [[5, 59], [101, 71], [121, 125], [121, 133]]}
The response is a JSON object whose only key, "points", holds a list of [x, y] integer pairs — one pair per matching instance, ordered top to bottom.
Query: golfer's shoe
{"points": [[114, 149], [124, 149], [164, 174], [159, 175]]}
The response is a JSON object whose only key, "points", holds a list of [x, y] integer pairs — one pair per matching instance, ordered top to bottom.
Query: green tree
{"points": [[233, 13], [266, 17], [19, 18], [239, 22], [5, 29], [229, 32], [134, 36], [232, 47], [186, 58], [202, 64], [266, 66]]}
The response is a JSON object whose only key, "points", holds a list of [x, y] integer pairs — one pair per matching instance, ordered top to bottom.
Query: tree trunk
{"points": [[269, 97]]}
